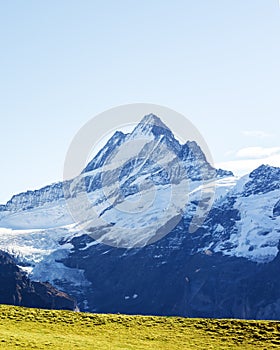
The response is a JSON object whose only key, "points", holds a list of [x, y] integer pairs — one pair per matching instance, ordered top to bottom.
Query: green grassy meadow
{"points": [[23, 328]]}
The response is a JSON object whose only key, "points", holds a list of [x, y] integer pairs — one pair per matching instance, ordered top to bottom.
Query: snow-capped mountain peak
{"points": [[152, 119], [151, 125], [136, 200]]}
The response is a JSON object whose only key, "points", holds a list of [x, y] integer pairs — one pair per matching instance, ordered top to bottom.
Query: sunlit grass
{"points": [[23, 328]]}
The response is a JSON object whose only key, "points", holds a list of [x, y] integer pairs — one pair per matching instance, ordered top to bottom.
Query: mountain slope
{"points": [[222, 270], [17, 289]]}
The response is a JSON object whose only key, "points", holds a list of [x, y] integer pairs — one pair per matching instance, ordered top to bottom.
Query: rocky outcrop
{"points": [[17, 289]]}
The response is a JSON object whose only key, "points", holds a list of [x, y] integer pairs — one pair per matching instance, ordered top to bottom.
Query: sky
{"points": [[62, 62]]}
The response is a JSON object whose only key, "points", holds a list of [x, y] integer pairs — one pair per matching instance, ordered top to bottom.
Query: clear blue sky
{"points": [[62, 62]]}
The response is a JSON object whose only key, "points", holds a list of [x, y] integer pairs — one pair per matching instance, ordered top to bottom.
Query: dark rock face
{"points": [[276, 209], [174, 282], [17, 289]]}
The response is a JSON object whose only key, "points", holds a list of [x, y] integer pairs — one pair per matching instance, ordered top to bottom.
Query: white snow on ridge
{"points": [[220, 187], [49, 215], [258, 231], [31, 246], [39, 252]]}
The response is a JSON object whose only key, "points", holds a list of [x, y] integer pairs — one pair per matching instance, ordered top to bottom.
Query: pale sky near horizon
{"points": [[62, 62]]}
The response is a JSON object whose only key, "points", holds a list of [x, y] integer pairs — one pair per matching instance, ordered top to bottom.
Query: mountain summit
{"points": [[152, 119], [150, 123]]}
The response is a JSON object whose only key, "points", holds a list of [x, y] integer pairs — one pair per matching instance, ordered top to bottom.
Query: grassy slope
{"points": [[22, 328]]}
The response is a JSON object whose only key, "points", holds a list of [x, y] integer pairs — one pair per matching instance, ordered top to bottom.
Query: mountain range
{"points": [[161, 231]]}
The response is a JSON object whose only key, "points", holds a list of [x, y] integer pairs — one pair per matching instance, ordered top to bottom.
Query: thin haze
{"points": [[61, 62]]}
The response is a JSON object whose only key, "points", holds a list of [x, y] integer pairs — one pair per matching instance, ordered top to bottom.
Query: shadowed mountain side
{"points": [[17, 289]]}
